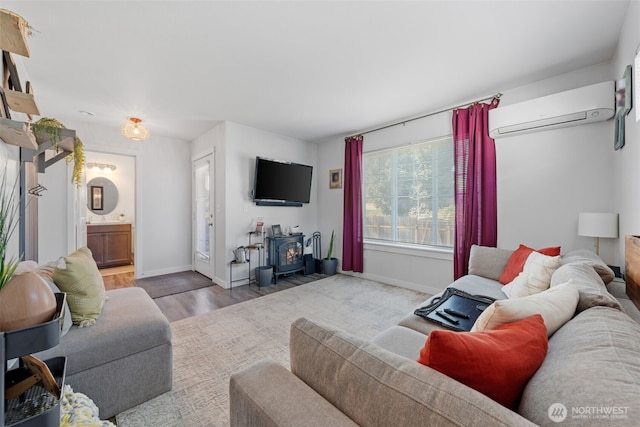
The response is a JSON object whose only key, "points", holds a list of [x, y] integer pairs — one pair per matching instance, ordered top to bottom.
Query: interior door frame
{"points": [[212, 201], [75, 221]]}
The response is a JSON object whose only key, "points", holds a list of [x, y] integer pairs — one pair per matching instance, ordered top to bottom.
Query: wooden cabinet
{"points": [[110, 244]]}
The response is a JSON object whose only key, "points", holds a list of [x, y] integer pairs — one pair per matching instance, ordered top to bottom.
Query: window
{"points": [[409, 194]]}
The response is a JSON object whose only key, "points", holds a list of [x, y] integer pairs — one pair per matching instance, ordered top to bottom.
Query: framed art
{"points": [[636, 82], [623, 106], [335, 178], [97, 193], [276, 230]]}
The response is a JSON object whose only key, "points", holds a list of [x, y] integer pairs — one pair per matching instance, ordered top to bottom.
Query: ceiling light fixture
{"points": [[133, 129], [101, 167]]}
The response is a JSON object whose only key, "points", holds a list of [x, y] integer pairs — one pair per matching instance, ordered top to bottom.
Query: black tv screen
{"points": [[281, 183]]}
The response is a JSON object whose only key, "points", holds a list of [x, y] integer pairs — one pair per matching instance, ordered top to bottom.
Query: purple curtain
{"points": [[475, 183], [352, 243]]}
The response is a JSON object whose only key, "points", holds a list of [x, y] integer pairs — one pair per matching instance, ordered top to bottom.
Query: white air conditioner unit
{"points": [[580, 106]]}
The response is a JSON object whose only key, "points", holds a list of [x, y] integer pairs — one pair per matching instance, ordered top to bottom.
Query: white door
{"points": [[203, 215]]}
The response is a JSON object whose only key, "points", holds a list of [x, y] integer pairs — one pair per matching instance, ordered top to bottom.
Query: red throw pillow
{"points": [[515, 265], [497, 363]]}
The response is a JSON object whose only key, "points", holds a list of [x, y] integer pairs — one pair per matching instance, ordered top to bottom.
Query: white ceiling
{"points": [[309, 70]]}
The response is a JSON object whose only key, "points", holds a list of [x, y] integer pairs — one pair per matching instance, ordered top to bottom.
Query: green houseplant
{"points": [[53, 129], [9, 214], [330, 264], [25, 299]]}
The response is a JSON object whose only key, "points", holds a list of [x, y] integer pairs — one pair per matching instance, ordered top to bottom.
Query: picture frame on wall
{"points": [[636, 82], [623, 106], [335, 178], [97, 197]]}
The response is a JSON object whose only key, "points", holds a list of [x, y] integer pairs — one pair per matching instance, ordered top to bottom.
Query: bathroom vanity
{"points": [[110, 244]]}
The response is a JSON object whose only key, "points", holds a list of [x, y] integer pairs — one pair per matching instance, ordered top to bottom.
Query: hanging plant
{"points": [[53, 129], [77, 157]]}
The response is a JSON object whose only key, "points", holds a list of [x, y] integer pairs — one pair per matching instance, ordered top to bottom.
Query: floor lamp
{"points": [[598, 224]]}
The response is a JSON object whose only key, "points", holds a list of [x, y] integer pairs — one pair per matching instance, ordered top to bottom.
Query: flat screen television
{"points": [[279, 183]]}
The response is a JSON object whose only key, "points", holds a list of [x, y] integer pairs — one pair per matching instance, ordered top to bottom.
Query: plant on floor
{"points": [[9, 211], [330, 252], [330, 264]]}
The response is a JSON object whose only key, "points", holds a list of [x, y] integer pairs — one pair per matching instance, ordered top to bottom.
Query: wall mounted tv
{"points": [[280, 183]]}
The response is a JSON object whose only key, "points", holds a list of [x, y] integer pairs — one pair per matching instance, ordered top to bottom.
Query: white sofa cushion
{"points": [[535, 277], [556, 305]]}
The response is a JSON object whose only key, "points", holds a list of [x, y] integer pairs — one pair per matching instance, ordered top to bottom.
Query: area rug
{"points": [[175, 283], [209, 348]]}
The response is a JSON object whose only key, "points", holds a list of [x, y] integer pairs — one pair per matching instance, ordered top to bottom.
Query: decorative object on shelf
{"points": [[623, 106], [48, 128], [133, 129], [335, 178], [598, 224], [259, 226], [276, 230], [240, 254], [330, 264], [25, 300]]}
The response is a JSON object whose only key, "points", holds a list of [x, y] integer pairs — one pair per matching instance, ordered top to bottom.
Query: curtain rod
{"points": [[496, 96]]}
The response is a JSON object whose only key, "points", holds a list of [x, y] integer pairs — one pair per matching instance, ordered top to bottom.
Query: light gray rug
{"points": [[208, 348]]}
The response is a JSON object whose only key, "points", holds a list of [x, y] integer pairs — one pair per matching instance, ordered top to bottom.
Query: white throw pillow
{"points": [[535, 276], [557, 306]]}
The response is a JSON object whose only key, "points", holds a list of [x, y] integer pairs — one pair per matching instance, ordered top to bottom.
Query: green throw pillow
{"points": [[82, 282]]}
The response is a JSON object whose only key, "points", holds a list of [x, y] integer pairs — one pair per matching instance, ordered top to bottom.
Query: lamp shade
{"points": [[133, 129], [598, 224]]}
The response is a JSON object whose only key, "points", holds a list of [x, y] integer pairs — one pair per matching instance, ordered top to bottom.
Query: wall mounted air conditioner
{"points": [[580, 106]]}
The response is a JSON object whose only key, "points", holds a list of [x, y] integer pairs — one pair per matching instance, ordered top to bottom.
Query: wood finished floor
{"points": [[204, 300]]}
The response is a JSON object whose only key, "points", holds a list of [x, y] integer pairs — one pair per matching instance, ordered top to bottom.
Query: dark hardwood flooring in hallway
{"points": [[199, 301]]}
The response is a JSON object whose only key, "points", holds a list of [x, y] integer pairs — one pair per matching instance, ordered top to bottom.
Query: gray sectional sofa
{"points": [[123, 360], [590, 375]]}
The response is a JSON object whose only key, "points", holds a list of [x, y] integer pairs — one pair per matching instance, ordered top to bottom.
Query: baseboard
{"points": [[178, 269], [399, 283]]}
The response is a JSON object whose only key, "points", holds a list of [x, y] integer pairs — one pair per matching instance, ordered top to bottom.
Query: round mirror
{"points": [[102, 196]]}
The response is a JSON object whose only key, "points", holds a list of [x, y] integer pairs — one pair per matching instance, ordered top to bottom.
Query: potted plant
{"points": [[53, 129], [330, 264], [25, 299]]}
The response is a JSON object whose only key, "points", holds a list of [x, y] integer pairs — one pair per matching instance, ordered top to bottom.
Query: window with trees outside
{"points": [[409, 194]]}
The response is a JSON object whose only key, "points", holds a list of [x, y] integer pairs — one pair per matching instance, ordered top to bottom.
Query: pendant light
{"points": [[133, 129]]}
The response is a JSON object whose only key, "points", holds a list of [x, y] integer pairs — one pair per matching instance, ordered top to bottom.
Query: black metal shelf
{"points": [[25, 411]]}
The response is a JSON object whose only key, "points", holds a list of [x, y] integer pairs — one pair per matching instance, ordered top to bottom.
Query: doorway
{"points": [[203, 198], [107, 217]]}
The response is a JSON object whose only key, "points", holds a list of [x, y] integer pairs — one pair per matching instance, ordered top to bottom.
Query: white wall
{"points": [[243, 144], [236, 149], [626, 162], [544, 180], [163, 196], [53, 227]]}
